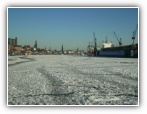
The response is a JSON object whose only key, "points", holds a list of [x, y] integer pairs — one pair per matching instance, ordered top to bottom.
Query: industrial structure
{"points": [[134, 34], [119, 41], [93, 48], [109, 50]]}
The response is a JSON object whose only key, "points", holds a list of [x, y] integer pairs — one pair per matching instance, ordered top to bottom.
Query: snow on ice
{"points": [[72, 80]]}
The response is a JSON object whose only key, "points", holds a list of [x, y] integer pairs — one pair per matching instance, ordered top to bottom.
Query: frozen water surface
{"points": [[72, 80]]}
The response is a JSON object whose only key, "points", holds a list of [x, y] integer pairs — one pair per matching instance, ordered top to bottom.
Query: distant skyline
{"points": [[73, 27]]}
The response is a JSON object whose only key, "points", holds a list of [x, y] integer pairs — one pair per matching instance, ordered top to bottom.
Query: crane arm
{"points": [[134, 32], [116, 36], [119, 41]]}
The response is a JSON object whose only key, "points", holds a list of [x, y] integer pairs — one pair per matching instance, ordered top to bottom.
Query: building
{"points": [[12, 41], [11, 49], [18, 49], [27, 49]]}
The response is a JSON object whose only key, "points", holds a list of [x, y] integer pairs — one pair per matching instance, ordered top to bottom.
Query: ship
{"points": [[109, 50], [128, 51]]}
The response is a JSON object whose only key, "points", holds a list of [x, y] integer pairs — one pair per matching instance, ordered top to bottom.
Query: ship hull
{"points": [[129, 51]]}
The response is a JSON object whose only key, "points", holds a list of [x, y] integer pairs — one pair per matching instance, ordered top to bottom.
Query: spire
{"points": [[35, 46], [62, 48]]}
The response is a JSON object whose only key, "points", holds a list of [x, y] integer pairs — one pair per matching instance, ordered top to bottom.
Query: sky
{"points": [[72, 27]]}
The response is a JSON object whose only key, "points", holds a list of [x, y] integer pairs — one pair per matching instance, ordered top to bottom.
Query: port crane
{"points": [[134, 33], [119, 41], [95, 42], [95, 45], [92, 47]]}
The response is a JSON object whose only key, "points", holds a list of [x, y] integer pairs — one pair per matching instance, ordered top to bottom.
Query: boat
{"points": [[109, 50], [128, 51]]}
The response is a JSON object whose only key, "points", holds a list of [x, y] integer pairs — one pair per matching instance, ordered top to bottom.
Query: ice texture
{"points": [[72, 80]]}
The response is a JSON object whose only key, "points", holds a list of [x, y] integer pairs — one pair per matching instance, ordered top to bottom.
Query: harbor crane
{"points": [[134, 33], [119, 41], [95, 42], [95, 45], [92, 47]]}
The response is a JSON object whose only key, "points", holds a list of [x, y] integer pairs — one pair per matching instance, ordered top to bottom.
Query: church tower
{"points": [[35, 46], [62, 48]]}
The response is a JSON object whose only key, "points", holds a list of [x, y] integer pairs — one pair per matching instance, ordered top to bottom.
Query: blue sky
{"points": [[72, 27]]}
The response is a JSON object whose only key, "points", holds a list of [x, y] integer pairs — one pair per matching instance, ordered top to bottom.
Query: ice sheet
{"points": [[72, 80]]}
